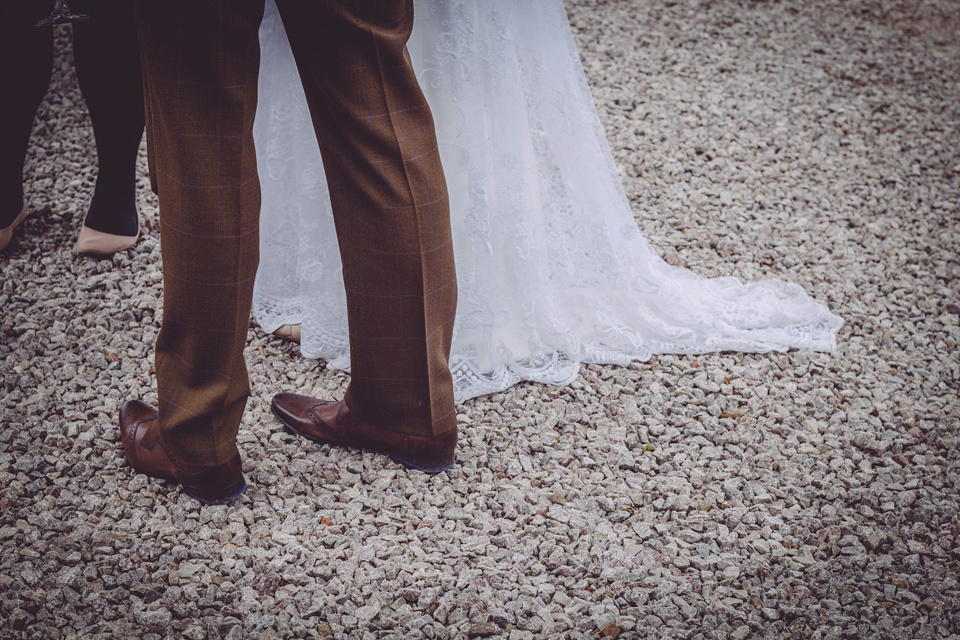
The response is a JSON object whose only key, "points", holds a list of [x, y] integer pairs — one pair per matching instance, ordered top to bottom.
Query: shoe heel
{"points": [[436, 464], [230, 493]]}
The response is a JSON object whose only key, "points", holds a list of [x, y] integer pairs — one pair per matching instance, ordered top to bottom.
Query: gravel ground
{"points": [[796, 495]]}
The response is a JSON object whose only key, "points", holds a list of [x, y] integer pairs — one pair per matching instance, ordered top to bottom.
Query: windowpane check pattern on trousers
{"points": [[200, 61]]}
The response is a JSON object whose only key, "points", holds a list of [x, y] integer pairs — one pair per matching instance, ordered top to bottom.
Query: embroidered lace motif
{"points": [[551, 266]]}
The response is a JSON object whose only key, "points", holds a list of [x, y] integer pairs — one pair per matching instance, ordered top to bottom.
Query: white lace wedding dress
{"points": [[551, 266]]}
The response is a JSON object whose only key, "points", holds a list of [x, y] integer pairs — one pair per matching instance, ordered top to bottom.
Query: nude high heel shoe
{"points": [[7, 234], [93, 242], [288, 332]]}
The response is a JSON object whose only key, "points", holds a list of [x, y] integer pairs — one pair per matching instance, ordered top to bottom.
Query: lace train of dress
{"points": [[552, 268]]}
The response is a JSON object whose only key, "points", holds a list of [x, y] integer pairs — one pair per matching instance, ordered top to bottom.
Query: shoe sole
{"points": [[425, 465], [232, 494]]}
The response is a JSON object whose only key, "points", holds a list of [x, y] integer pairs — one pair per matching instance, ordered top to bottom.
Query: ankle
{"points": [[10, 208], [109, 213]]}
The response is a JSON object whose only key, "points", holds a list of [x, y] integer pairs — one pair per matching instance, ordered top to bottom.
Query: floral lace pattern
{"points": [[552, 268]]}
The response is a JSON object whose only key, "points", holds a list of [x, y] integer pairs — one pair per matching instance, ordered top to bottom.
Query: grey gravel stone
{"points": [[796, 495], [483, 630], [740, 633]]}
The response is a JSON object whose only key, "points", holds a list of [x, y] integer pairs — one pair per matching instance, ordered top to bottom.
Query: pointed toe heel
{"points": [[98, 243], [289, 332]]}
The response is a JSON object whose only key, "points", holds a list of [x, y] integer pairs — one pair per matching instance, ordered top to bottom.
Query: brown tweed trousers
{"points": [[200, 64]]}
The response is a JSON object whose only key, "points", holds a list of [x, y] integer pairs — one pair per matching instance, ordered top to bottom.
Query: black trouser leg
{"points": [[107, 59], [26, 61]]}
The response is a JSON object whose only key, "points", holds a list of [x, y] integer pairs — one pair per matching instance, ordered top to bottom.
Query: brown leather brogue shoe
{"points": [[333, 423], [139, 431]]}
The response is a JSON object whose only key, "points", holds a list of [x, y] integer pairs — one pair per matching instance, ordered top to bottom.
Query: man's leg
{"points": [[200, 61], [390, 205]]}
